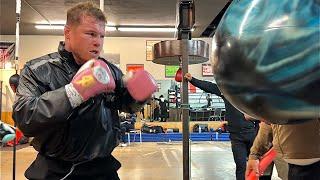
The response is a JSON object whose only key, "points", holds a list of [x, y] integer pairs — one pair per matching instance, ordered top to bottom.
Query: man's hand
{"points": [[188, 76], [93, 78], [252, 165]]}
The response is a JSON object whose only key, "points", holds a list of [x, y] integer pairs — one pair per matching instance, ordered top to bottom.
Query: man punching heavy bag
{"points": [[266, 59]]}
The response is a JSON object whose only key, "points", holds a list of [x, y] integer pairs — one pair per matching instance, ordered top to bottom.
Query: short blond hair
{"points": [[75, 13]]}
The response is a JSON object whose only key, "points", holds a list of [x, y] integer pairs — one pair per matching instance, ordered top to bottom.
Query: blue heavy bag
{"points": [[266, 59]]}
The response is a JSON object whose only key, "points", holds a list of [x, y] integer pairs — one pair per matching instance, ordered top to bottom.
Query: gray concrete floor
{"points": [[150, 161]]}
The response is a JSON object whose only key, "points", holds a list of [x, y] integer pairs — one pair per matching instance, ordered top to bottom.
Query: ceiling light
{"points": [[48, 26], [61, 27], [111, 28], [114, 28], [147, 29]]}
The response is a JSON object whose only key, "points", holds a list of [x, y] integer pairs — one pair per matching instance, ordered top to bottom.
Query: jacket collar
{"points": [[66, 55], [67, 58]]}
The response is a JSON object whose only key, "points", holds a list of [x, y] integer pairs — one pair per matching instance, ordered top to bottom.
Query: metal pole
{"points": [[102, 5], [18, 11], [187, 19], [185, 111]]}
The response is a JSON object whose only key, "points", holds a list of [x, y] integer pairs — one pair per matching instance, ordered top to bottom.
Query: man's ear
{"points": [[67, 31]]}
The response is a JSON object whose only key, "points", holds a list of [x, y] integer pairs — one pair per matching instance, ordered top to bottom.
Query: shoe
{"points": [[123, 145]]}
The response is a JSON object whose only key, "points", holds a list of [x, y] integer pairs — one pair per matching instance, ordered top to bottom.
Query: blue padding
{"points": [[165, 137]]}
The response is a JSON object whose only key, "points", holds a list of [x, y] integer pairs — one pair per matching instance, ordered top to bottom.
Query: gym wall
{"points": [[132, 51]]}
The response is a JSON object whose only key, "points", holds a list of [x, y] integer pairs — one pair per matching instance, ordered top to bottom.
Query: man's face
{"points": [[85, 40]]}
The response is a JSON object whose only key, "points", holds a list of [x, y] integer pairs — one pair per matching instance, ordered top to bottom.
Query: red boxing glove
{"points": [[94, 77], [141, 85], [266, 160]]}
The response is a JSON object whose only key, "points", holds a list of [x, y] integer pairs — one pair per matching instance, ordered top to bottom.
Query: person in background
{"points": [[209, 100], [69, 102], [155, 107], [164, 110], [142, 112], [127, 122], [123, 128], [242, 132], [262, 144], [297, 144]]}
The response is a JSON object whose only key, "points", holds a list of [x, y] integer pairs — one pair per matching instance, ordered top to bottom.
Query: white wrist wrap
{"points": [[74, 97]]}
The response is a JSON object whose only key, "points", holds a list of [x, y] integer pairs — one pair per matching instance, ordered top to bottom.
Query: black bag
{"points": [[127, 125], [203, 128], [151, 129], [158, 129], [175, 130]]}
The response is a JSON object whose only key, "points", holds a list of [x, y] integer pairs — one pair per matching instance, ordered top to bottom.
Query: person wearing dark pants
{"points": [[163, 103], [142, 112], [156, 113], [242, 131], [261, 144], [297, 144], [240, 145], [297, 172]]}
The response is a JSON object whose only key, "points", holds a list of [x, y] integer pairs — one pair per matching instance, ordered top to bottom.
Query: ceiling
{"points": [[119, 12]]}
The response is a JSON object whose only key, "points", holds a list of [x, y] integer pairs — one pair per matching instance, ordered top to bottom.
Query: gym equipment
{"points": [[183, 51], [265, 59], [179, 75], [14, 82], [200, 128], [7, 133]]}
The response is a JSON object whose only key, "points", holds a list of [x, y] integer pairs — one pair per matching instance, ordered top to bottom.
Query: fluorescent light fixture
{"points": [[54, 22], [48, 26], [61, 27], [111, 28], [114, 28], [147, 29], [8, 65]]}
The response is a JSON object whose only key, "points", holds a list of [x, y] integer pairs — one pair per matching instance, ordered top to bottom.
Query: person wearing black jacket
{"points": [[209, 100], [163, 103], [72, 113], [242, 131]]}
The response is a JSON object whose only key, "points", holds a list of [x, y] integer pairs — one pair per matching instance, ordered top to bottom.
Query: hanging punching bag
{"points": [[178, 76]]}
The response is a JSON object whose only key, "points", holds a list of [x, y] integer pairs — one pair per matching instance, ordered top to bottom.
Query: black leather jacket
{"points": [[43, 111]]}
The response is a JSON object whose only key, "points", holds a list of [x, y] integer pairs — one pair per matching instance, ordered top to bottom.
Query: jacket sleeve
{"points": [[206, 86], [128, 104], [36, 110], [262, 142]]}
